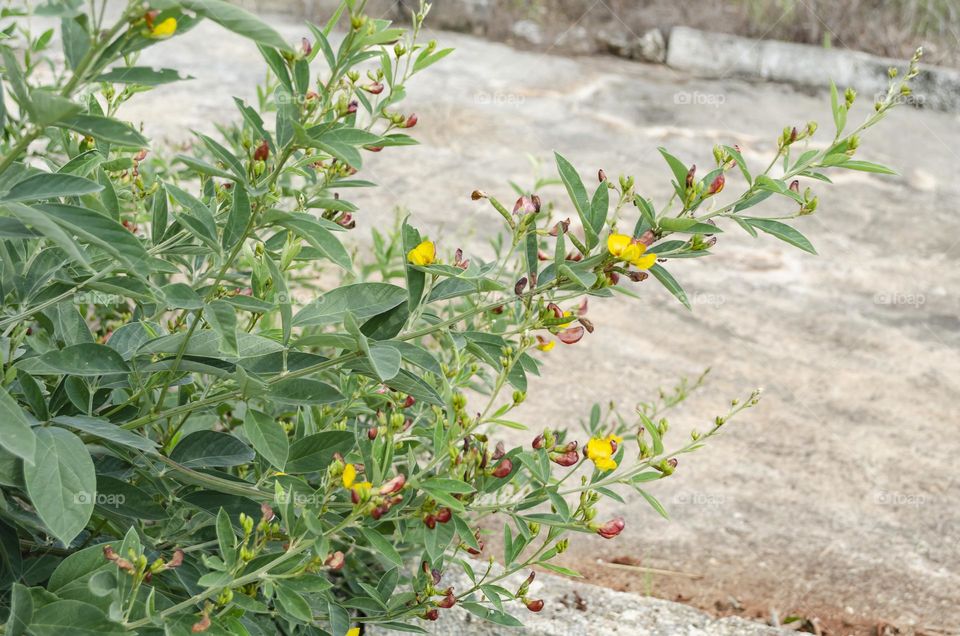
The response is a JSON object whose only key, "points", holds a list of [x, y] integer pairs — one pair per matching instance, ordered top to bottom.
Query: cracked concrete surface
{"points": [[838, 496]]}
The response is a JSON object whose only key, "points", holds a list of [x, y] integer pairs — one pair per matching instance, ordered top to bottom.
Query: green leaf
{"points": [[240, 21], [76, 40], [142, 75], [50, 108], [839, 109], [105, 129], [867, 166], [676, 167], [578, 195], [599, 206], [239, 218], [688, 226], [98, 229], [50, 230], [783, 232], [319, 236], [667, 280], [181, 296], [363, 300], [223, 320], [85, 359], [385, 360], [304, 391], [106, 430], [16, 436], [267, 437], [207, 449], [315, 452], [62, 483], [448, 485], [653, 502], [383, 545], [294, 604], [21, 611], [72, 617]]}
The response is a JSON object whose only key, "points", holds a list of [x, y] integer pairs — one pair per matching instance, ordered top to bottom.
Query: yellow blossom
{"points": [[164, 30], [633, 252], [423, 254], [546, 345], [600, 451], [349, 475], [353, 631]]}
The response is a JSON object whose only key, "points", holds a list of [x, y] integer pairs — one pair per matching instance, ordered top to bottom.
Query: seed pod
{"points": [[586, 324]]}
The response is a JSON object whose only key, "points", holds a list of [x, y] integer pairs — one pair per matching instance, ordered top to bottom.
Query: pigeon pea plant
{"points": [[213, 420]]}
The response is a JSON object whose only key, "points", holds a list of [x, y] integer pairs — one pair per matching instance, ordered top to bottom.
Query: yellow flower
{"points": [[164, 30], [626, 249], [423, 254], [545, 345], [600, 451], [349, 475], [353, 631]]}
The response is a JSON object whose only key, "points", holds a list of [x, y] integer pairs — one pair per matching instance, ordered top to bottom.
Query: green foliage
{"points": [[212, 417]]}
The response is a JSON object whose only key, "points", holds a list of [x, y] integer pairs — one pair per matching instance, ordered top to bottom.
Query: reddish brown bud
{"points": [[150, 17], [305, 47], [375, 89], [352, 107], [411, 121], [373, 148], [262, 151], [601, 175], [691, 175], [717, 184], [795, 185], [476, 195], [527, 205], [560, 226], [647, 238], [542, 256], [574, 256], [637, 276], [613, 278], [520, 286], [582, 307], [555, 308], [497, 310], [586, 324], [571, 335], [410, 401], [372, 433], [538, 441], [498, 451], [568, 458], [672, 462], [504, 468], [394, 485], [379, 511], [267, 512], [443, 515], [430, 521], [611, 528], [474, 551], [109, 553], [175, 561], [335, 561], [435, 575], [448, 601], [534, 605], [432, 614], [201, 625]]}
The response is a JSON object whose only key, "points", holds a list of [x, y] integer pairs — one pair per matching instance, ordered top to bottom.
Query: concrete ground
{"points": [[837, 498]]}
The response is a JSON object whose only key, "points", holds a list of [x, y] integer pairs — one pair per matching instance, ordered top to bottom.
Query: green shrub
{"points": [[212, 419]]}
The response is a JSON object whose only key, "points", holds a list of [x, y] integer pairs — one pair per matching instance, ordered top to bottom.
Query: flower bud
{"points": [[305, 47], [374, 89], [411, 121], [262, 151], [601, 175], [691, 175], [717, 184], [476, 195], [527, 205], [560, 226], [637, 276], [520, 286], [572, 335], [372, 433], [538, 442], [498, 452], [567, 458], [504, 468], [394, 485], [443, 515], [430, 521], [611, 528], [335, 561], [449, 600], [534, 605], [432, 614]]}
